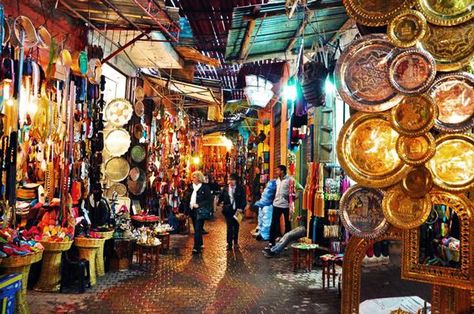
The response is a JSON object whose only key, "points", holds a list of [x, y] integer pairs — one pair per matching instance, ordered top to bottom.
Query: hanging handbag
{"points": [[204, 213]]}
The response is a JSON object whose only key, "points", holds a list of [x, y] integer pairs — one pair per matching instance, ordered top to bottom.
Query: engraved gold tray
{"points": [[375, 12], [445, 12], [407, 28], [452, 47], [362, 74], [453, 93], [118, 112], [414, 115], [117, 142], [366, 150], [416, 150], [452, 166], [116, 169], [418, 182], [403, 211], [361, 212]]}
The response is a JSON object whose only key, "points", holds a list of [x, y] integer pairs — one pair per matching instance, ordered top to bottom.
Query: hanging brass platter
{"points": [[375, 12], [446, 12], [407, 28], [452, 47], [412, 71], [362, 75], [453, 93], [118, 112], [414, 115], [117, 142], [366, 150], [416, 150], [452, 166], [116, 169], [418, 182], [119, 188], [403, 211], [361, 212]]}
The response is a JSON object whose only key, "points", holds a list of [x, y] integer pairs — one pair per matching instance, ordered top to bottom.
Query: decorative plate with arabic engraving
{"points": [[375, 12], [447, 12], [407, 28], [452, 47], [412, 71], [362, 75], [454, 95], [414, 115], [366, 149], [416, 150], [453, 172], [418, 182], [403, 211], [361, 212]]}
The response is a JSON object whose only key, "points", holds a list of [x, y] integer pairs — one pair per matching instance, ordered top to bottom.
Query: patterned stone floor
{"points": [[242, 281]]}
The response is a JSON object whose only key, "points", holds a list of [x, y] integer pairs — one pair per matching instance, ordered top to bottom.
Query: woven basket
{"points": [[106, 234], [88, 242], [56, 246], [21, 260]]}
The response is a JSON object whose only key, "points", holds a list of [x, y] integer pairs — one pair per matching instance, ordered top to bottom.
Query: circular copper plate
{"points": [[375, 12], [447, 13], [407, 28], [452, 47], [412, 71], [362, 75], [454, 95], [139, 108], [414, 115], [117, 142], [366, 150], [416, 150], [452, 165], [116, 169], [418, 182], [119, 188], [403, 211], [361, 212]]}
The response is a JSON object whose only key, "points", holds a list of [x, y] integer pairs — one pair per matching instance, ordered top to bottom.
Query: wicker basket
{"points": [[106, 234], [88, 242], [56, 246], [21, 260], [99, 261], [50, 277]]}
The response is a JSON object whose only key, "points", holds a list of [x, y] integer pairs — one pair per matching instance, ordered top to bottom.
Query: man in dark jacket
{"points": [[233, 201]]}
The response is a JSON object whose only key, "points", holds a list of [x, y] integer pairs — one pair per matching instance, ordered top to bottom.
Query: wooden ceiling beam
{"points": [[307, 17], [246, 41]]}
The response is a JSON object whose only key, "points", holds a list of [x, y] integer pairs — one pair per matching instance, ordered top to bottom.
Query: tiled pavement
{"points": [[217, 282]]}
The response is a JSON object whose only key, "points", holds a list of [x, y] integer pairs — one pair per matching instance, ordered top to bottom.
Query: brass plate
{"points": [[375, 12], [446, 12], [407, 28], [452, 47], [412, 71], [362, 75], [454, 95], [139, 108], [118, 112], [414, 115], [117, 142], [416, 150], [138, 153], [367, 153], [452, 165], [116, 169], [418, 182], [138, 186], [119, 188], [403, 211], [361, 212]]}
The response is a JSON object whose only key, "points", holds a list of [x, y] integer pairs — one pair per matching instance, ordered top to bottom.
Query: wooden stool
{"points": [[165, 241], [148, 254], [303, 256], [329, 262]]}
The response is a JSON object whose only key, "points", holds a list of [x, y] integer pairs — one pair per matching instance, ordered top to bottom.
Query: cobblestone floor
{"points": [[242, 281]]}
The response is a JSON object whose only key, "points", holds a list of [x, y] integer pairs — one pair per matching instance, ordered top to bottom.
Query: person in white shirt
{"points": [[201, 197], [281, 204]]}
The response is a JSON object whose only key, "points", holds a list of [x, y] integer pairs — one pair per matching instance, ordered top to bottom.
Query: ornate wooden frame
{"points": [[463, 277]]}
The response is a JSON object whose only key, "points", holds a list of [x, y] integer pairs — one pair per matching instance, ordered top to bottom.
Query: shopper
{"points": [[201, 198], [233, 201], [281, 203]]}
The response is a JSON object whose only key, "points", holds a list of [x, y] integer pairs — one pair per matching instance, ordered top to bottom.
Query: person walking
{"points": [[201, 198], [233, 201], [281, 203]]}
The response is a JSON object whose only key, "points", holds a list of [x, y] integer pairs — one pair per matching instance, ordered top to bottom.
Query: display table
{"points": [[144, 220], [106, 235], [88, 248], [123, 253], [148, 254], [303, 256], [329, 262], [21, 265], [50, 277], [409, 304]]}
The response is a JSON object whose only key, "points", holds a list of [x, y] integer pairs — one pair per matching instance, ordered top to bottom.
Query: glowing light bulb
{"points": [[196, 160]]}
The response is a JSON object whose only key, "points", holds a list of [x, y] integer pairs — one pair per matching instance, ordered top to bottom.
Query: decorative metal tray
{"points": [[375, 12], [447, 13], [407, 28], [452, 47], [412, 71], [362, 75], [454, 95], [118, 112], [414, 115], [117, 142], [366, 149], [416, 150], [138, 153], [452, 166], [116, 169], [418, 182], [138, 186], [403, 211], [361, 212]]}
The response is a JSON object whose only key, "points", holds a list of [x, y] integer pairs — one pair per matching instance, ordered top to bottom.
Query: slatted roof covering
{"points": [[273, 33]]}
